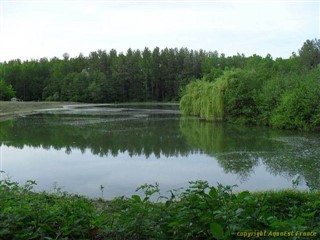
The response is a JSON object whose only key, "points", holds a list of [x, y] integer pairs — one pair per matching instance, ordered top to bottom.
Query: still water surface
{"points": [[121, 147]]}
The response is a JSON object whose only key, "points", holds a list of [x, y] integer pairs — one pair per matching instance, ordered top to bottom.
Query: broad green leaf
{"points": [[213, 192], [243, 195], [136, 198], [216, 230]]}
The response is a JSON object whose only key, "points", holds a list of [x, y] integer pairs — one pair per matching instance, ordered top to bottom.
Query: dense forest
{"points": [[148, 75], [257, 90]]}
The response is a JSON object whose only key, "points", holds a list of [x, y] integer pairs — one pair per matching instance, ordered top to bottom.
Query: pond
{"points": [[119, 147]]}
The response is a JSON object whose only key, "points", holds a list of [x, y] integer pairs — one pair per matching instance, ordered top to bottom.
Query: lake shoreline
{"points": [[9, 109]]}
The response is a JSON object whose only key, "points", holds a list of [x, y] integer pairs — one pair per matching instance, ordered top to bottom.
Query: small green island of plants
{"points": [[197, 212]]}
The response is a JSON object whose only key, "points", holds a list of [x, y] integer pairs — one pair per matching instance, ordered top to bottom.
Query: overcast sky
{"points": [[35, 29]]}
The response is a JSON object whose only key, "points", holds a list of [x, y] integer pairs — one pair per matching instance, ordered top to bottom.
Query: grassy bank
{"points": [[199, 212]]}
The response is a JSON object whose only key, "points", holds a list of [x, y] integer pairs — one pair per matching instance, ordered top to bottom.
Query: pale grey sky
{"points": [[35, 29]]}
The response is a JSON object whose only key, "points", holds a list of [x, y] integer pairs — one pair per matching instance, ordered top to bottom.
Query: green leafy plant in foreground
{"points": [[198, 212], [25, 214]]}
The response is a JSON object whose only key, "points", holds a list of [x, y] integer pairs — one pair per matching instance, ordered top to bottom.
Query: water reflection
{"points": [[135, 134], [130, 146], [240, 149]]}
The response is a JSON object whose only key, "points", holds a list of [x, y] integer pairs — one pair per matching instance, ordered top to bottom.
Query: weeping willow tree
{"points": [[228, 97], [204, 99], [190, 103], [212, 103]]}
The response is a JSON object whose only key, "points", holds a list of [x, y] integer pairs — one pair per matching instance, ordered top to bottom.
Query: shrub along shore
{"points": [[247, 96], [198, 212]]}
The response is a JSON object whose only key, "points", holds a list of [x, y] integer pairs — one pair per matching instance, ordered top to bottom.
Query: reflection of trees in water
{"points": [[5, 129], [145, 136], [237, 149], [240, 149], [300, 158], [241, 163]]}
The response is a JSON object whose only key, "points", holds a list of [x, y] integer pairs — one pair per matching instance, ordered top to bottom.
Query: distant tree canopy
{"points": [[310, 53], [147, 75]]}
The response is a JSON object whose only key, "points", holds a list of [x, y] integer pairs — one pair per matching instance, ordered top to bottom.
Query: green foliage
{"points": [[310, 53], [213, 74], [146, 75], [149, 75], [238, 89], [6, 91], [239, 94], [270, 94], [230, 97], [286, 99], [190, 102], [298, 108], [198, 212], [206, 212], [25, 214]]}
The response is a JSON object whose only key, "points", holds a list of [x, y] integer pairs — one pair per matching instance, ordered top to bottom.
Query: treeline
{"points": [[148, 75], [279, 93]]}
